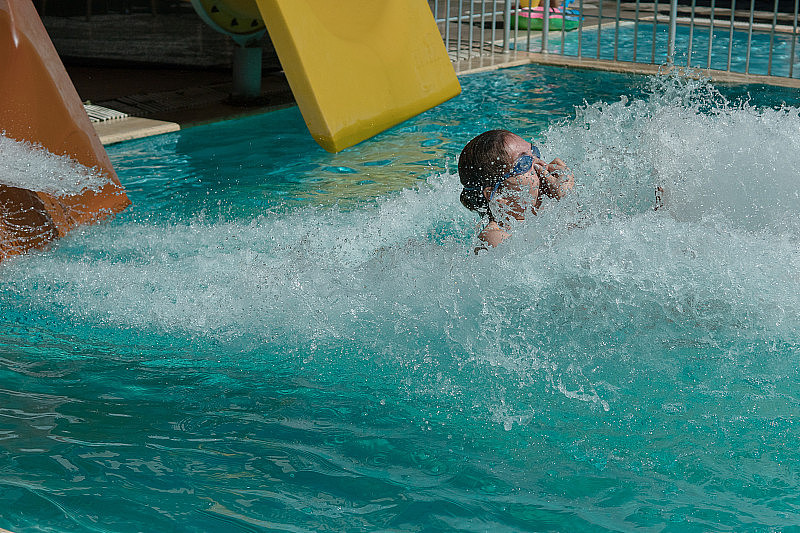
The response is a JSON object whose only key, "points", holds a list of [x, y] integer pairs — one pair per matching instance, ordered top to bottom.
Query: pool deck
{"points": [[155, 100], [162, 100]]}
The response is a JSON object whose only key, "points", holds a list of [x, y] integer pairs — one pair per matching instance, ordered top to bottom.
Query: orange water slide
{"points": [[39, 105]]}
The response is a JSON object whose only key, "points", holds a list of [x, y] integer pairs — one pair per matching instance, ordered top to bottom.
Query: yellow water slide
{"points": [[356, 67], [40, 108]]}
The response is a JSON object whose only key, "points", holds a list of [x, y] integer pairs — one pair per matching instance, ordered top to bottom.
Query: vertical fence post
{"points": [[447, 24], [545, 25], [673, 25], [507, 26], [580, 26], [600, 26], [636, 29], [459, 30], [471, 30], [616, 30], [655, 32], [710, 35], [691, 36], [749, 36], [772, 37], [730, 38], [794, 39]]}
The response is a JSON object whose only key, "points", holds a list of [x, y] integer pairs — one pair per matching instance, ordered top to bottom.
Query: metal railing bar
{"points": [[515, 8], [447, 23], [494, 23], [545, 25], [507, 26], [563, 26], [599, 26], [673, 26], [483, 27], [471, 28], [580, 28], [635, 30], [458, 31], [616, 31], [655, 34], [710, 34], [749, 36], [691, 37], [772, 37], [730, 39], [794, 39], [528, 47]]}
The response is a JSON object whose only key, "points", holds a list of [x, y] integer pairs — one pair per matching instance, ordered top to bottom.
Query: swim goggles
{"points": [[522, 165]]}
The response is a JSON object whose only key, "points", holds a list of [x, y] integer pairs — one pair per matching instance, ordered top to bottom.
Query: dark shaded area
{"points": [[784, 6], [75, 8]]}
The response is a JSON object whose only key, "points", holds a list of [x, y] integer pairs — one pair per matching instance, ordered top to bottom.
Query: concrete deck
{"points": [[162, 100]]}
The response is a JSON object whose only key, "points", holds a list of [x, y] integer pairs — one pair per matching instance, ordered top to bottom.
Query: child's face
{"points": [[520, 193]]}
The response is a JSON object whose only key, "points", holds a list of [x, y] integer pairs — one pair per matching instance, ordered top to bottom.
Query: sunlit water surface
{"points": [[275, 338]]}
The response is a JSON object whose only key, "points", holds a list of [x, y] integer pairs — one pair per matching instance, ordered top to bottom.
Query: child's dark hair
{"points": [[482, 162]]}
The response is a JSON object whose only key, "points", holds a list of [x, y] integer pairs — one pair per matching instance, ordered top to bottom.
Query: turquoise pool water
{"points": [[651, 45], [273, 338]]}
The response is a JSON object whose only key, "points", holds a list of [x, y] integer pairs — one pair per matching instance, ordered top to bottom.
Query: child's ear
{"points": [[487, 193]]}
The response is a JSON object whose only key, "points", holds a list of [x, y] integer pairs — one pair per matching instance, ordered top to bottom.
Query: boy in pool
{"points": [[503, 177]]}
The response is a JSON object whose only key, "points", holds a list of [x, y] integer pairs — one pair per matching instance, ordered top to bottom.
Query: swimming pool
{"points": [[648, 43], [274, 338]]}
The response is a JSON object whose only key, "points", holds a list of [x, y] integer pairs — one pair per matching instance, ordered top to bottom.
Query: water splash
{"points": [[31, 167], [596, 288], [605, 358]]}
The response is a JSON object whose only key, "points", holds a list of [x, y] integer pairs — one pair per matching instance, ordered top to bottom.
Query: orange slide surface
{"points": [[39, 105]]}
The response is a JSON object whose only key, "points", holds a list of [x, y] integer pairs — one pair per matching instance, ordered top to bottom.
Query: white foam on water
{"points": [[34, 168], [596, 289]]}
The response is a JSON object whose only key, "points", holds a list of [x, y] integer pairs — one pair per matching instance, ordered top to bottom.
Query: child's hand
{"points": [[556, 179]]}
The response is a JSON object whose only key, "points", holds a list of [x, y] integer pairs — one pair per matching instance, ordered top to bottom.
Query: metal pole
{"points": [[515, 9], [530, 11], [447, 24], [494, 24], [483, 25], [545, 25], [599, 25], [507, 26], [673, 26], [563, 27], [580, 27], [655, 28], [636, 29], [471, 31], [616, 31], [458, 32], [710, 34], [691, 36], [749, 37], [772, 38], [794, 39], [730, 44], [246, 72]]}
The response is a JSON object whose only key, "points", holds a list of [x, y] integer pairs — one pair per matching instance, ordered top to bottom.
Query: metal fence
{"points": [[717, 35]]}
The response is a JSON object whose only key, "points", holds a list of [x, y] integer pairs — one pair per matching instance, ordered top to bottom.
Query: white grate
{"points": [[99, 113]]}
